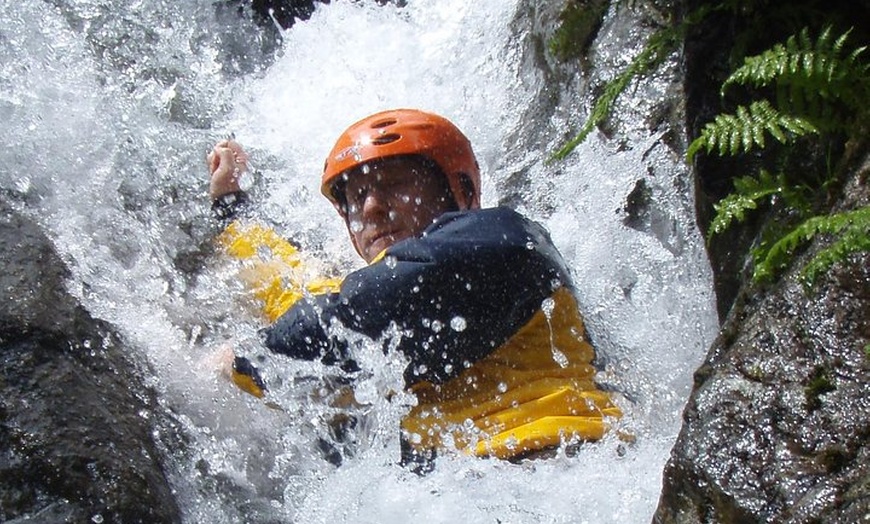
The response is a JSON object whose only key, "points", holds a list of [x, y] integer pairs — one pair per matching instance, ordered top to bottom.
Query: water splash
{"points": [[110, 108]]}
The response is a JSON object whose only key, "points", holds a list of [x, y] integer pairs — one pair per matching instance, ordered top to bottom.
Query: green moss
{"points": [[578, 25], [819, 384]]}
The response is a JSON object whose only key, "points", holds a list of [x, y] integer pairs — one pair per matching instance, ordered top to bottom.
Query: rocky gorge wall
{"points": [[77, 422], [777, 426]]}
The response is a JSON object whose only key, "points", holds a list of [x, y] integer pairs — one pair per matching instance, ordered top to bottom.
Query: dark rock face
{"points": [[283, 12], [76, 423], [777, 428]]}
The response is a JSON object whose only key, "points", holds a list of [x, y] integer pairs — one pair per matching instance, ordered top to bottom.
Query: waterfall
{"points": [[110, 108]]}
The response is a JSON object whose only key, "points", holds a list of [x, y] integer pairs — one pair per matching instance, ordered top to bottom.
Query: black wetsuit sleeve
{"points": [[230, 206], [455, 294], [303, 332]]}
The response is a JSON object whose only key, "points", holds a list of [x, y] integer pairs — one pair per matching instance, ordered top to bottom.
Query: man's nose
{"points": [[374, 203]]}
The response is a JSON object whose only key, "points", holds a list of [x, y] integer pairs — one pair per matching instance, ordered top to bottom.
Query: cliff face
{"points": [[77, 424], [777, 426]]}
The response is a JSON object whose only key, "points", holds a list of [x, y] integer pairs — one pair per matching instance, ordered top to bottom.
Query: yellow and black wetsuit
{"points": [[499, 359]]}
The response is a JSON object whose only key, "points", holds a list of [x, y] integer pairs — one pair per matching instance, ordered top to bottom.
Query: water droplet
{"points": [[23, 184], [356, 226], [391, 262], [547, 306], [458, 324], [437, 326], [560, 358], [502, 387], [97, 518]]}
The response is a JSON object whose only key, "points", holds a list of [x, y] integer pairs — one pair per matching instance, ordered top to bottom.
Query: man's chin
{"points": [[380, 244]]}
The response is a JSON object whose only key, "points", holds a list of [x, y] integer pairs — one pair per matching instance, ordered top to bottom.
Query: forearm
{"points": [[304, 332]]}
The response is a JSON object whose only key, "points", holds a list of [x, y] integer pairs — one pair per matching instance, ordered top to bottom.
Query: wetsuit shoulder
{"points": [[457, 292]]}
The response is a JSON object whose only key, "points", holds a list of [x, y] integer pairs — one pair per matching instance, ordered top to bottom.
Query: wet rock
{"points": [[285, 13], [77, 425], [777, 428]]}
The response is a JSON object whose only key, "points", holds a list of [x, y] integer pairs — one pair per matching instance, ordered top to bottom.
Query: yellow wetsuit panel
{"points": [[274, 268], [247, 384], [533, 392]]}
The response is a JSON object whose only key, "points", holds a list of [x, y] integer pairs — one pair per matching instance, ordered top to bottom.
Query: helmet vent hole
{"points": [[383, 123], [386, 139]]}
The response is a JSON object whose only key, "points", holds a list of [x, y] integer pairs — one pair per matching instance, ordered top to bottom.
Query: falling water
{"points": [[109, 109]]}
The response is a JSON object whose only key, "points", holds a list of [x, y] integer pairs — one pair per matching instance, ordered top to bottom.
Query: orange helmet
{"points": [[405, 132]]}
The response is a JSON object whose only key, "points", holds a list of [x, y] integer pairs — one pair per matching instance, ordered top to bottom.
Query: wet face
{"points": [[391, 200]]}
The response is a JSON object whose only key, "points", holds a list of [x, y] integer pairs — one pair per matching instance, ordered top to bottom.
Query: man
{"points": [[497, 353]]}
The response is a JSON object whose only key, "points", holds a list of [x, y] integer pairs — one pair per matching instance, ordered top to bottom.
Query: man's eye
{"points": [[357, 198]]}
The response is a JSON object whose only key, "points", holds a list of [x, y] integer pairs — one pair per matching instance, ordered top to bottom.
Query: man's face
{"points": [[391, 200]]}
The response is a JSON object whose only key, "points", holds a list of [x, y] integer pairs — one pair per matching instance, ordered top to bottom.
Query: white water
{"points": [[106, 136]]}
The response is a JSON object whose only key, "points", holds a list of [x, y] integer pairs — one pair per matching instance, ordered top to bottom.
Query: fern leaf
{"points": [[839, 43], [814, 71], [733, 134], [748, 192], [729, 209], [854, 226], [850, 242]]}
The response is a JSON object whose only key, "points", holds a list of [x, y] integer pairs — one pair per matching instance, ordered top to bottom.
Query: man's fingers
{"points": [[240, 156]]}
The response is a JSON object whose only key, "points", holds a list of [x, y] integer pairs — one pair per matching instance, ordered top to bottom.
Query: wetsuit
{"points": [[496, 346]]}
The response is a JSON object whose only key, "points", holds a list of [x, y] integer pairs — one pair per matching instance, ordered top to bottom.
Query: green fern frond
{"points": [[658, 46], [813, 71], [599, 112], [734, 134], [749, 191], [853, 228], [851, 242]]}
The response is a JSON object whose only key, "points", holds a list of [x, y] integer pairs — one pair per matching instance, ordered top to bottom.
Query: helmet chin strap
{"points": [[465, 202], [353, 241]]}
